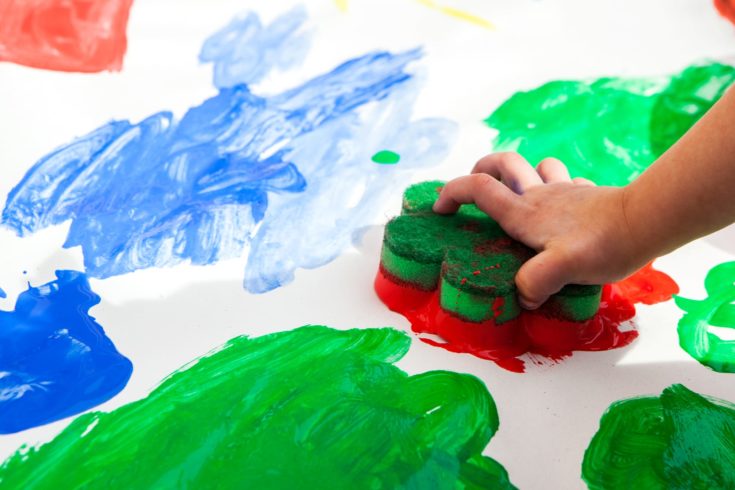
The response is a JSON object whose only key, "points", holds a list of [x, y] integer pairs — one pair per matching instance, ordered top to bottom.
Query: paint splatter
{"points": [[726, 8], [448, 10], [64, 35], [611, 129], [386, 157], [239, 169], [717, 310], [532, 332], [55, 360], [252, 414], [680, 440]]}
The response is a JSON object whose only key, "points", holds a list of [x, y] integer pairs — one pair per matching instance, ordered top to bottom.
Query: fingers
{"points": [[511, 169], [552, 171], [583, 181], [488, 193], [543, 275]]}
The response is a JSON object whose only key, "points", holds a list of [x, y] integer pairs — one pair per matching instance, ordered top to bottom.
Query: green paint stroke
{"points": [[611, 129], [386, 157], [717, 310], [308, 408], [680, 440]]}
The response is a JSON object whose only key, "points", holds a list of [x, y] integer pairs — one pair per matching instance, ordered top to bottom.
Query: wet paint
{"points": [[64, 35], [608, 130], [386, 157], [239, 169], [3, 294], [717, 310], [531, 332], [55, 359], [308, 408], [679, 440]]}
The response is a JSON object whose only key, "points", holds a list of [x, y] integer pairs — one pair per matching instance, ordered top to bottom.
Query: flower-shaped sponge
{"points": [[471, 259]]}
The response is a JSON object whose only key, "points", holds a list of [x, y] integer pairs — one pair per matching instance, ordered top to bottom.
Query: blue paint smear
{"points": [[289, 175], [2, 293], [55, 360]]}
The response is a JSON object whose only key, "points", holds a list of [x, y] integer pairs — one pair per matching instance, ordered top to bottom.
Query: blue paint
{"points": [[297, 164], [2, 293], [55, 360]]}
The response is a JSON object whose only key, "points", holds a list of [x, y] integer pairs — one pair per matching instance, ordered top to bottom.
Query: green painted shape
{"points": [[689, 95], [608, 130], [386, 157], [469, 255], [716, 310], [308, 408], [680, 440]]}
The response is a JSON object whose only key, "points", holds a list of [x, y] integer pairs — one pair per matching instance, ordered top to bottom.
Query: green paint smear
{"points": [[611, 129], [386, 157], [717, 310], [308, 408], [680, 440]]}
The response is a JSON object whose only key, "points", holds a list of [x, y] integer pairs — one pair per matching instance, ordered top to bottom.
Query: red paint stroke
{"points": [[726, 8], [64, 35], [531, 332]]}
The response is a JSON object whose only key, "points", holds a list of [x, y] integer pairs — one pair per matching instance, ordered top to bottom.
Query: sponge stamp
{"points": [[470, 259]]}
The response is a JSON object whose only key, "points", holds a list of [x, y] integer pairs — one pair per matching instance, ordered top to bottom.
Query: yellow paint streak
{"points": [[444, 9], [458, 14]]}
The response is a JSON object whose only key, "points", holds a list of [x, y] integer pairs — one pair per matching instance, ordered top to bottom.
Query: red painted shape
{"points": [[726, 8], [64, 35], [648, 286], [531, 332]]}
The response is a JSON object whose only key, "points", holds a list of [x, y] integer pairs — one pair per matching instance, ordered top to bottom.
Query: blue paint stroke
{"points": [[289, 174], [2, 293], [55, 360]]}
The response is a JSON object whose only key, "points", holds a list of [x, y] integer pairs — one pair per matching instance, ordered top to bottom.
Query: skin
{"points": [[594, 235]]}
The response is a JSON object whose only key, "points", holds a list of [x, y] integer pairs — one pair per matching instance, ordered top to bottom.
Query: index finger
{"points": [[488, 193]]}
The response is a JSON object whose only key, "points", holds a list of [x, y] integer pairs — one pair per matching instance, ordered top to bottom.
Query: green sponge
{"points": [[470, 259]]}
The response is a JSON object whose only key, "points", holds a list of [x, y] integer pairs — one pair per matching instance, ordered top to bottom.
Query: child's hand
{"points": [[579, 230]]}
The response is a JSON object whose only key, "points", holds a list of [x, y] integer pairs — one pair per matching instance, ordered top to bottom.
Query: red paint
{"points": [[726, 8], [64, 35], [648, 286], [531, 332]]}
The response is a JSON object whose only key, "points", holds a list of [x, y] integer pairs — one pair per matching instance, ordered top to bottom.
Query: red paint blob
{"points": [[726, 8], [64, 35], [531, 332]]}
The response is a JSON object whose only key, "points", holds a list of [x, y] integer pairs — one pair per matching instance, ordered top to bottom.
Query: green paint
{"points": [[689, 95], [608, 130], [386, 157], [471, 256], [716, 310], [309, 408], [680, 440]]}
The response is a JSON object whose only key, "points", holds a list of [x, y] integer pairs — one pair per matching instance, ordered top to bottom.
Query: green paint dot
{"points": [[386, 157]]}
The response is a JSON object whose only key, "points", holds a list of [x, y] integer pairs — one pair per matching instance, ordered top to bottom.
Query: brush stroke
{"points": [[64, 35], [608, 130], [239, 169], [717, 310], [55, 360], [309, 408], [679, 440]]}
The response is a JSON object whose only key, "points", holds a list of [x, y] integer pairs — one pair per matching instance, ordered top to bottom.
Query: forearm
{"points": [[689, 191]]}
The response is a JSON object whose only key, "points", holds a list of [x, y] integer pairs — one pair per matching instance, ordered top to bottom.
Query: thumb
{"points": [[545, 274]]}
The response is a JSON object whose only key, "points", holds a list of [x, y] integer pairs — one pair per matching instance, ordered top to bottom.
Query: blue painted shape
{"points": [[288, 174], [2, 293], [55, 360]]}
